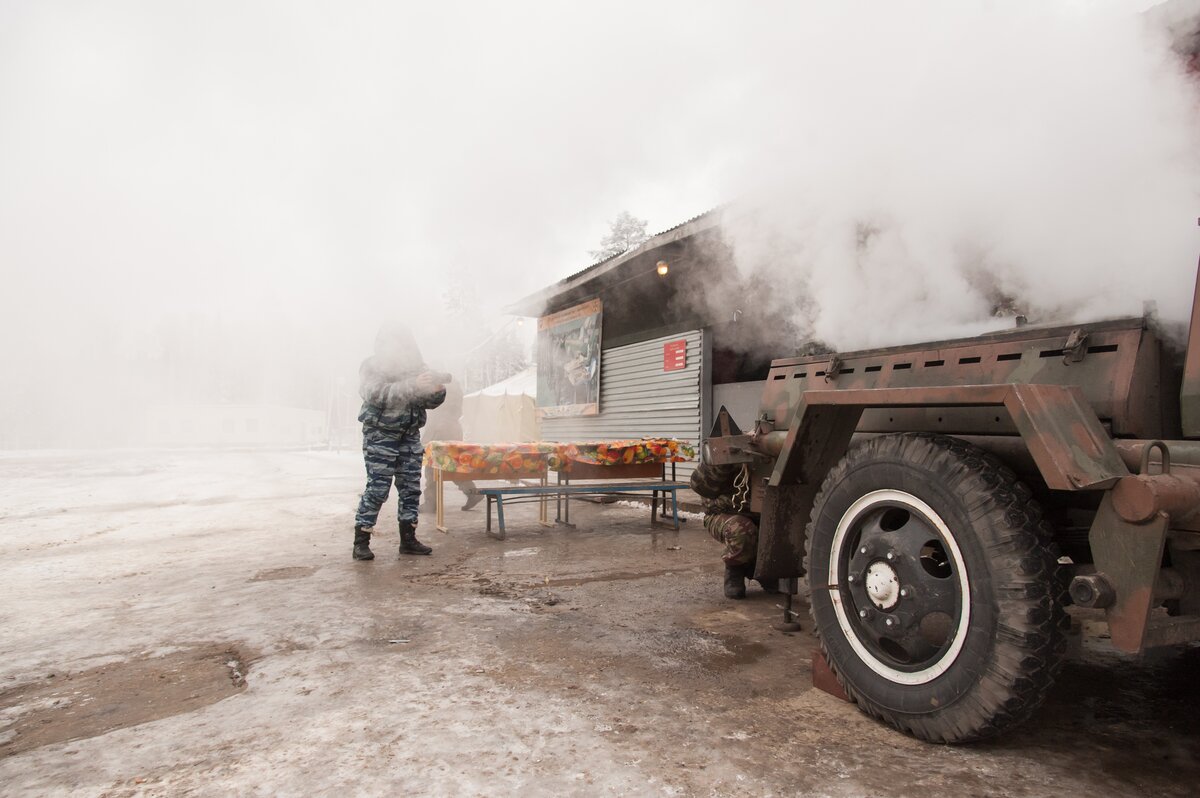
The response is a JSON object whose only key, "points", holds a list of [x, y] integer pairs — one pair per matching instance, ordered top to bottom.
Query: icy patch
{"points": [[665, 517]]}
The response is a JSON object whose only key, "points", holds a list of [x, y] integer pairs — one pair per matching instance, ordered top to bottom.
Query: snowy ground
{"points": [[192, 624]]}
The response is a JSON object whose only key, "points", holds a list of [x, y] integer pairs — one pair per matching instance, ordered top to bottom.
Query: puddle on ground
{"points": [[291, 572], [737, 652], [66, 706]]}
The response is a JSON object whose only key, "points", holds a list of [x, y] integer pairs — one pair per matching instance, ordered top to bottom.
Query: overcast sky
{"points": [[319, 166]]}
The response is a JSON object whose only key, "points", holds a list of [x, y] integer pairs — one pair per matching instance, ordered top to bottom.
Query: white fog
{"points": [[221, 202]]}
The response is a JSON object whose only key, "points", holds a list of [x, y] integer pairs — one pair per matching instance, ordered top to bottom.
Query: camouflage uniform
{"points": [[392, 415], [389, 458], [726, 515]]}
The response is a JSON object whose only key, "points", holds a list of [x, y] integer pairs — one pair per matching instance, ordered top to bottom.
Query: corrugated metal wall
{"points": [[639, 399]]}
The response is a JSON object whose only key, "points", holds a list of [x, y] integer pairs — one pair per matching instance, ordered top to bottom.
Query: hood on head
{"points": [[396, 347]]}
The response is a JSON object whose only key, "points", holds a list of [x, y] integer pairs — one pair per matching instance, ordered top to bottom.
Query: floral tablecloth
{"points": [[646, 450], [501, 460]]}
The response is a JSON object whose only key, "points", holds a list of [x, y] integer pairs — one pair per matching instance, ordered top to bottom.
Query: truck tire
{"points": [[934, 588]]}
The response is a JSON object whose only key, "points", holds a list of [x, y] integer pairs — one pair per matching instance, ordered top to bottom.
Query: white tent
{"points": [[503, 413]]}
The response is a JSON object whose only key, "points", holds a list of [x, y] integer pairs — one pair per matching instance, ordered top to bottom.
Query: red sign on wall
{"points": [[674, 355]]}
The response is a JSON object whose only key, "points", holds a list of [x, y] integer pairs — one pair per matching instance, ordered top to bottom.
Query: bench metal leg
{"points": [[654, 507], [674, 507], [500, 517]]}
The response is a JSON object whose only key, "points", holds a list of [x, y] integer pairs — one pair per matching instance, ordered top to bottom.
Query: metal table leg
{"points": [[544, 504], [500, 516], [439, 521]]}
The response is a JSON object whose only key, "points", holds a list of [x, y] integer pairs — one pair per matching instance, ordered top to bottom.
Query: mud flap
{"points": [[785, 510], [1129, 556]]}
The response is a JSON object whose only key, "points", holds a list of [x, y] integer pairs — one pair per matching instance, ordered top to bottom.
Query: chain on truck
{"points": [[947, 501]]}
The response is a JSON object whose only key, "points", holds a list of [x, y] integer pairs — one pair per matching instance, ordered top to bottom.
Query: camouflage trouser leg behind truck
{"points": [[739, 533]]}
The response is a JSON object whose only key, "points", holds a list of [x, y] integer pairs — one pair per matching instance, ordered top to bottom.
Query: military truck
{"points": [[947, 501]]}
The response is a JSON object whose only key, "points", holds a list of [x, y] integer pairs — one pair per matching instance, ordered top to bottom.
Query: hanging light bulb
{"points": [[662, 267]]}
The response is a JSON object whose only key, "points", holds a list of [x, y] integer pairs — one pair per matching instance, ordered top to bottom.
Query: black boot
{"points": [[408, 540], [362, 544], [735, 582]]}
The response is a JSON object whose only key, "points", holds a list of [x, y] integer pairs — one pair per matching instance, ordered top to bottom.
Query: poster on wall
{"points": [[569, 362]]}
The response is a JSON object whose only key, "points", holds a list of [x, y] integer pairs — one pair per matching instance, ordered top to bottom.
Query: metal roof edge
{"points": [[536, 301]]}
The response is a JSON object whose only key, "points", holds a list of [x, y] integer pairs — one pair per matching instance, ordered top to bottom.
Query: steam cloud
{"points": [[922, 170]]}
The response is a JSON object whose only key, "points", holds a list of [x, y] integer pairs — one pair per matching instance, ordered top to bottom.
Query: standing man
{"points": [[397, 388], [445, 424], [724, 492]]}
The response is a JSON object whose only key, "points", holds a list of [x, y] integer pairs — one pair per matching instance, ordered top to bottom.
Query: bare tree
{"points": [[624, 233], [488, 355]]}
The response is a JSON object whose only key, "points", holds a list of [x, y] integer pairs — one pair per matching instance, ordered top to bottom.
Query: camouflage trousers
{"points": [[390, 456], [739, 533]]}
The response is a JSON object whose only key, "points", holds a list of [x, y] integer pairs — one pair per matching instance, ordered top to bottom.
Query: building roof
{"points": [[535, 303]]}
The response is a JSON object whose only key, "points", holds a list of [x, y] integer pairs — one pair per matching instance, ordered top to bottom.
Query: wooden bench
{"points": [[642, 479]]}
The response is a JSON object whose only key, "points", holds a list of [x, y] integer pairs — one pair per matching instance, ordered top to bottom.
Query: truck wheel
{"points": [[934, 589]]}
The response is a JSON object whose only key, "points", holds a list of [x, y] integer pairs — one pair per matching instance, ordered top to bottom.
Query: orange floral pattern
{"points": [[631, 452], [502, 460], [508, 460]]}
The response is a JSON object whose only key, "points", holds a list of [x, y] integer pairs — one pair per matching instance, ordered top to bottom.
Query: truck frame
{"points": [[947, 501]]}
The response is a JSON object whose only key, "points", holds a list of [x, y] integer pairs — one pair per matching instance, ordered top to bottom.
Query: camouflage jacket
{"points": [[392, 401], [717, 487]]}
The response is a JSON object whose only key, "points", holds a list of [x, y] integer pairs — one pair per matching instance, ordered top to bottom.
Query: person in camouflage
{"points": [[397, 389], [725, 495]]}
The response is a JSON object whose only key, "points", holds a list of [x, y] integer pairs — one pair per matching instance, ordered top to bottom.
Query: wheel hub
{"points": [[883, 585], [901, 603]]}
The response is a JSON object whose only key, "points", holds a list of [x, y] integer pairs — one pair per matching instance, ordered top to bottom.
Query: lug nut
{"points": [[863, 550], [891, 555], [850, 578], [1092, 590], [903, 592], [862, 613], [889, 621]]}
